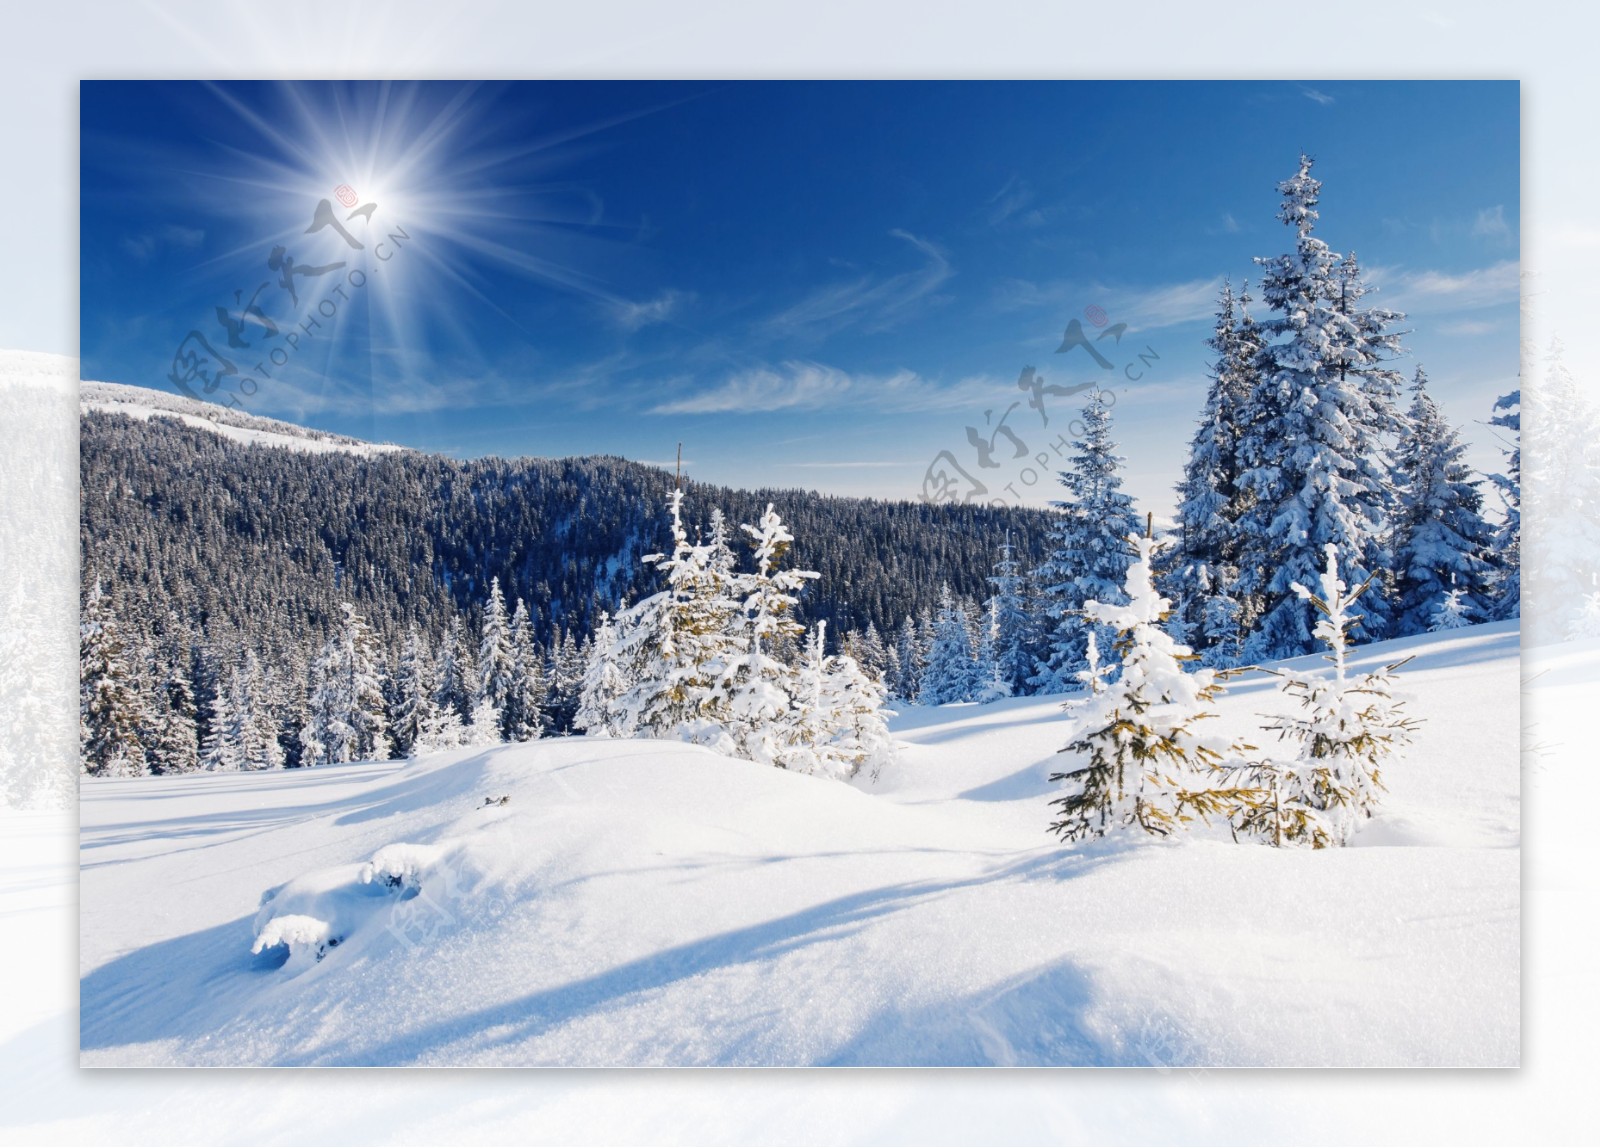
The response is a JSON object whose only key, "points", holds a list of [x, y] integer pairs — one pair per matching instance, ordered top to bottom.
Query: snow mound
{"points": [[640, 902]]}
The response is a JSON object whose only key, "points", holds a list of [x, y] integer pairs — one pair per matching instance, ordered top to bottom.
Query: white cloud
{"points": [[1318, 97], [1011, 204], [1491, 225], [147, 244], [1436, 291], [873, 303], [1142, 308], [631, 316], [789, 385], [806, 385], [874, 464]]}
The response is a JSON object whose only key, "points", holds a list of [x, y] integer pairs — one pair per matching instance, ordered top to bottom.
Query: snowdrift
{"points": [[590, 902]]}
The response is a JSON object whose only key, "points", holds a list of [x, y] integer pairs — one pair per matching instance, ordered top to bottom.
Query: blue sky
{"points": [[807, 284]]}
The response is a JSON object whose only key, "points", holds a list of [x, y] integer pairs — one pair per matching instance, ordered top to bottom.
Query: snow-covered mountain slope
{"points": [[240, 426], [651, 903]]}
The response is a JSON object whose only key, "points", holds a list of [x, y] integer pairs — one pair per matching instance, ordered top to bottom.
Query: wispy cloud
{"points": [[1315, 96], [1013, 204], [1227, 225], [1491, 225], [147, 244], [1442, 291], [870, 302], [1142, 308], [631, 316], [1468, 327], [789, 385], [804, 385], [867, 464]]}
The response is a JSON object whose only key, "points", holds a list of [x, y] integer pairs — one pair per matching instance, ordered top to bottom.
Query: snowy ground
{"points": [[651, 903]]}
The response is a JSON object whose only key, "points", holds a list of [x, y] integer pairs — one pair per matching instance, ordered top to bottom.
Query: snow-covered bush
{"points": [[399, 866], [307, 939]]}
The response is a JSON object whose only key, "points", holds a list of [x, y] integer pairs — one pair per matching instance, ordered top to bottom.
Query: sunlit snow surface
{"points": [[651, 903]]}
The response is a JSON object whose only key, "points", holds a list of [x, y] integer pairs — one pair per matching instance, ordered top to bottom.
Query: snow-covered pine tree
{"points": [[1315, 458], [1508, 535], [1443, 542], [1088, 555], [1202, 568], [1452, 612], [1011, 627], [675, 645], [869, 651], [494, 652], [907, 656], [455, 673], [951, 673], [563, 682], [758, 683], [989, 684], [605, 685], [414, 689], [112, 708], [253, 712], [522, 718], [858, 718], [346, 720], [484, 728], [1348, 731], [800, 736], [177, 746], [220, 752], [1144, 760]]}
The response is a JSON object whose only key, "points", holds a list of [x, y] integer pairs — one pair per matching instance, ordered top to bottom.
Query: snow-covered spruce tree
{"points": [[1507, 417], [1314, 452], [1563, 493], [1443, 543], [1088, 555], [1202, 568], [1452, 612], [1009, 623], [675, 645], [869, 651], [494, 652], [908, 657], [455, 672], [951, 672], [563, 682], [605, 684], [989, 684], [759, 685], [413, 686], [113, 710], [858, 718], [521, 719], [346, 720], [484, 728], [1347, 732], [243, 733], [802, 733], [177, 745], [220, 750], [1143, 760]]}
